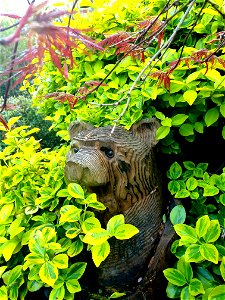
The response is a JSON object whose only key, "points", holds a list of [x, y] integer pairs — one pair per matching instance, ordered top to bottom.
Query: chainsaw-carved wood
{"points": [[120, 168]]}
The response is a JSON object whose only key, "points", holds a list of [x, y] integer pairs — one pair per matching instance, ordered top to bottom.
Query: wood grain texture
{"points": [[120, 168]]}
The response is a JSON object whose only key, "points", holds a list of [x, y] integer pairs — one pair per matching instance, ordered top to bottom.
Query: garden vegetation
{"points": [[123, 61]]}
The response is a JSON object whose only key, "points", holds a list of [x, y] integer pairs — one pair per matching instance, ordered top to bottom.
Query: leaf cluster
{"points": [[183, 88], [44, 223], [199, 271]]}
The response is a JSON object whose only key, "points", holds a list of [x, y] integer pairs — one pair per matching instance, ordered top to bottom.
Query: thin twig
{"points": [[217, 9], [70, 16], [9, 27], [190, 31], [149, 39], [165, 46], [182, 48], [11, 71], [10, 75]]}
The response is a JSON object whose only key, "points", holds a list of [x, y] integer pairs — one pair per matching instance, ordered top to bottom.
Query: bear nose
{"points": [[73, 171]]}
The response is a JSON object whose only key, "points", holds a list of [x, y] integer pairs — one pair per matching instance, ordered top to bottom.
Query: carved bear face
{"points": [[117, 166]]}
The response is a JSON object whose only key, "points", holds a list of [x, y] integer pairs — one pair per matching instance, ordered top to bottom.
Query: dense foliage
{"points": [[183, 88], [22, 106], [44, 223]]}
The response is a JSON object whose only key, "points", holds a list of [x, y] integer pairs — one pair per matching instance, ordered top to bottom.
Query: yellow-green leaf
{"points": [[210, 11], [212, 74], [193, 76], [190, 96], [211, 116], [162, 132], [75, 190], [97, 205], [5, 213], [69, 213], [114, 222], [90, 223], [202, 225], [125, 231], [72, 232], [213, 232], [187, 233], [96, 236], [9, 247], [75, 248], [209, 252], [100, 253], [192, 254], [34, 259], [61, 261], [222, 268], [2, 270], [48, 273], [175, 277], [73, 286], [196, 287], [3, 293], [57, 293], [218, 293], [117, 295]]}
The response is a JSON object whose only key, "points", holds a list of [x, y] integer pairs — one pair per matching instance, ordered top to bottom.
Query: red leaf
{"points": [[11, 16], [151, 25], [43, 36], [160, 38], [115, 39], [142, 56], [55, 59], [221, 61], [65, 72], [163, 77], [166, 82], [51, 95], [63, 97]]}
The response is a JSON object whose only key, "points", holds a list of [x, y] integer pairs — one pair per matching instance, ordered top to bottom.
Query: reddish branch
{"points": [[43, 37]]}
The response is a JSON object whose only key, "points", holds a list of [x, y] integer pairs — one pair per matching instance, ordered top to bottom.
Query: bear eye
{"points": [[75, 150], [108, 152]]}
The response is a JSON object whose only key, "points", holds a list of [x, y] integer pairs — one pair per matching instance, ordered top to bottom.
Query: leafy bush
{"points": [[184, 89], [196, 89], [22, 106], [44, 223], [199, 272]]}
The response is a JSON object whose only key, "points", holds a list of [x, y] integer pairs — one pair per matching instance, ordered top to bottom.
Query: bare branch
{"points": [[216, 8], [9, 27], [148, 39], [164, 47], [10, 75]]}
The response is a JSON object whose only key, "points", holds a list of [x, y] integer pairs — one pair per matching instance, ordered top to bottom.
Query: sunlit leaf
{"points": [[48, 273]]}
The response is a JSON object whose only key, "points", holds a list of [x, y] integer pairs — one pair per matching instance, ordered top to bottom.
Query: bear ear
{"points": [[76, 127], [146, 131]]}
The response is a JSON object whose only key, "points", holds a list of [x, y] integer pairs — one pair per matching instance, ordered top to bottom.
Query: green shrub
{"points": [[189, 102], [22, 106], [45, 224], [199, 272]]}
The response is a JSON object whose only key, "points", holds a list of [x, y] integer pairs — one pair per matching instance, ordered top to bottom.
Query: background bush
{"points": [[22, 107]]}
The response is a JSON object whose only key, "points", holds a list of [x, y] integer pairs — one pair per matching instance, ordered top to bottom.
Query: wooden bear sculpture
{"points": [[120, 168]]}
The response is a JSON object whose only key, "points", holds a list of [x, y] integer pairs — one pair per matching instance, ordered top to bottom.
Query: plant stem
{"points": [[164, 47]]}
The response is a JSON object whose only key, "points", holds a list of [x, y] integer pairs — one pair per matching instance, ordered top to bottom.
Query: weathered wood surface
{"points": [[120, 168]]}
